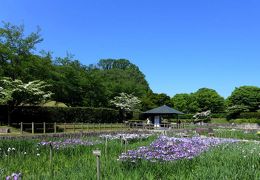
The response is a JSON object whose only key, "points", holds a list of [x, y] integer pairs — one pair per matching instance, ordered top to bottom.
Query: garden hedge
{"points": [[61, 114], [213, 115], [249, 115]]}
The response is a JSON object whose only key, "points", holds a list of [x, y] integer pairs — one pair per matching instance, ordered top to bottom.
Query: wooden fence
{"points": [[87, 127]]}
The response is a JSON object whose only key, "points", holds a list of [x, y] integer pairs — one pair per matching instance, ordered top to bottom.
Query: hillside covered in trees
{"points": [[94, 85]]}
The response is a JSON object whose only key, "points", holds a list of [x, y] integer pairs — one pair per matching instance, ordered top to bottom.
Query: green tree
{"points": [[16, 49], [120, 75], [72, 82], [15, 93], [248, 96], [161, 99], [209, 99], [153, 100], [126, 103], [185, 103], [234, 111]]}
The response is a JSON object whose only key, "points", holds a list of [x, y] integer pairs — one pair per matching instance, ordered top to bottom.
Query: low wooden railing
{"points": [[86, 127]]}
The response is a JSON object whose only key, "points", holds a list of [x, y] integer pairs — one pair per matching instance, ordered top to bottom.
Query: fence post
{"points": [[21, 127], [32, 127], [44, 127], [55, 127], [64, 127], [73, 127], [82, 127], [97, 153]]}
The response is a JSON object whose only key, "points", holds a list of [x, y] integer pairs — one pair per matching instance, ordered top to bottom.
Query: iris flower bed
{"points": [[126, 136], [68, 143], [169, 149], [225, 161]]}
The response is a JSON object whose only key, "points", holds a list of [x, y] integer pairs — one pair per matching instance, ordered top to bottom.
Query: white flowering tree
{"points": [[16, 93], [126, 103], [202, 116]]}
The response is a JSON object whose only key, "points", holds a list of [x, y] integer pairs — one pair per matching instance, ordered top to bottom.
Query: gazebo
{"points": [[158, 112]]}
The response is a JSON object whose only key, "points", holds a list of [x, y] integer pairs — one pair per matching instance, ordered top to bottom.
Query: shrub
{"points": [[234, 111], [64, 114], [219, 115], [249, 115], [186, 116], [252, 120]]}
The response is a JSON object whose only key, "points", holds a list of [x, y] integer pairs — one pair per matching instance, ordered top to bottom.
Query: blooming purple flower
{"points": [[125, 136], [68, 143], [170, 148], [14, 176]]}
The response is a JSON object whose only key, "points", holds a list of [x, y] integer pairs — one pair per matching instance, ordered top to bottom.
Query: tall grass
{"points": [[237, 134]]}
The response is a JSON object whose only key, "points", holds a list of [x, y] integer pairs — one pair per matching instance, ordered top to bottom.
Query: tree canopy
{"points": [[71, 82], [94, 85], [248, 96], [202, 100]]}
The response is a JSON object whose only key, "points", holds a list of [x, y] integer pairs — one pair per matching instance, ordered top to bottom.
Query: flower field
{"points": [[170, 149], [147, 157]]}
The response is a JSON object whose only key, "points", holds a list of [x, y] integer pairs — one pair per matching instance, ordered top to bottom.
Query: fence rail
{"points": [[86, 127]]}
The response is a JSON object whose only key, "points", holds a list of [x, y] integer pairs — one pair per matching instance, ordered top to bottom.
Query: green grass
{"points": [[219, 121], [237, 134], [235, 161]]}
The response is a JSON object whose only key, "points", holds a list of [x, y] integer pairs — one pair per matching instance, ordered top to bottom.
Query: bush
{"points": [[235, 111], [64, 114], [214, 115], [219, 115], [250, 115], [186, 116], [252, 120]]}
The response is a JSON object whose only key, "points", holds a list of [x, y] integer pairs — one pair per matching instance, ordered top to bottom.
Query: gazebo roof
{"points": [[162, 110]]}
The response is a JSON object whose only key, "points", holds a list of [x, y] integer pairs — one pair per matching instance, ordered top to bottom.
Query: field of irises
{"points": [[130, 156]]}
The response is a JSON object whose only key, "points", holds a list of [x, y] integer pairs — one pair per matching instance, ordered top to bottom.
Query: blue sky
{"points": [[180, 46]]}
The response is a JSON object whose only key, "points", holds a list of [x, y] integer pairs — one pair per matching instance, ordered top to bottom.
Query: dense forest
{"points": [[94, 85]]}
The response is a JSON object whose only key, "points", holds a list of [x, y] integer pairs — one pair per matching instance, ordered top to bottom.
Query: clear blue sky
{"points": [[179, 45]]}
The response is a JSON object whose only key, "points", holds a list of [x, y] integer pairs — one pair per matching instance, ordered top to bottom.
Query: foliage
{"points": [[16, 49], [120, 75], [72, 83], [95, 85], [16, 92], [245, 96], [209, 99], [153, 100], [202, 100], [126, 102], [185, 103], [234, 111], [41, 114], [213, 115], [218, 115], [250, 115], [185, 116], [202, 116], [248, 120]]}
